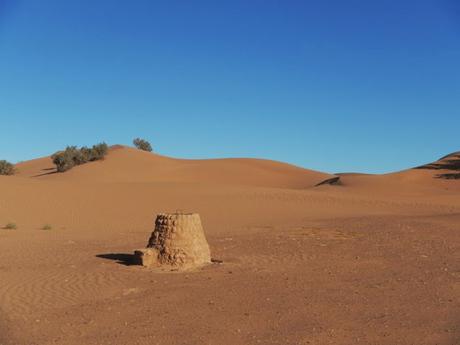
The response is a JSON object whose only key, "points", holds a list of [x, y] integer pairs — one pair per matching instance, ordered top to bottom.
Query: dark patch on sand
{"points": [[450, 162], [334, 181]]}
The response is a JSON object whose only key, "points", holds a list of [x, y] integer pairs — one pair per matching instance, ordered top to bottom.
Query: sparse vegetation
{"points": [[142, 144], [72, 156], [6, 168], [11, 226], [47, 227]]}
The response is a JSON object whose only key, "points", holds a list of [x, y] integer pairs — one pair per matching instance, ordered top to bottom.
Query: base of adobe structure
{"points": [[177, 242]]}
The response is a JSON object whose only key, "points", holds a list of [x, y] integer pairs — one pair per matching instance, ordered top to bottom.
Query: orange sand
{"points": [[372, 261]]}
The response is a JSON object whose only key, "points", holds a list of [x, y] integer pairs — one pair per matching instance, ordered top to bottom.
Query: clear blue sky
{"points": [[370, 86]]}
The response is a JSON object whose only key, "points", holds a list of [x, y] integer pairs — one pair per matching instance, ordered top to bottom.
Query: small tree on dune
{"points": [[142, 144], [67, 159], [6, 168]]}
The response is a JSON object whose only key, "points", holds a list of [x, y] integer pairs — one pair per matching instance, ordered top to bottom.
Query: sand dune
{"points": [[124, 164], [128, 165], [422, 181], [374, 258]]}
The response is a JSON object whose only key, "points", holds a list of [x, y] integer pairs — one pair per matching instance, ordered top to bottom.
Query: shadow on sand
{"points": [[450, 162], [47, 171], [334, 181], [120, 258]]}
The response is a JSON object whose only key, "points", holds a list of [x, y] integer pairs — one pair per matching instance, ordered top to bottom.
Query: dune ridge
{"points": [[124, 164]]}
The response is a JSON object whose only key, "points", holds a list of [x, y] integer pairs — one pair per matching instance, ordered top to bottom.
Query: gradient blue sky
{"points": [[370, 86]]}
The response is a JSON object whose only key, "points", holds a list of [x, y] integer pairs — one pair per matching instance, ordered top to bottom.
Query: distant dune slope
{"points": [[124, 164], [448, 167], [428, 179]]}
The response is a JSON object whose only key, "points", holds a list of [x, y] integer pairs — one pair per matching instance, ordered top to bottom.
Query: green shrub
{"points": [[142, 144], [99, 151], [94, 153], [72, 156], [67, 159], [6, 168], [10, 226], [47, 227]]}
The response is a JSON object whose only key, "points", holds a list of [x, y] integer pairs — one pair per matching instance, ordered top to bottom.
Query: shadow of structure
{"points": [[449, 162], [120, 258]]}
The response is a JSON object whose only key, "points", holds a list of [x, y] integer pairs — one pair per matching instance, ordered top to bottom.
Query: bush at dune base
{"points": [[72, 156], [6, 168]]}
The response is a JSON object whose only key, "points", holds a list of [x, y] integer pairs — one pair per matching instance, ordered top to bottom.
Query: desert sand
{"points": [[374, 259]]}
